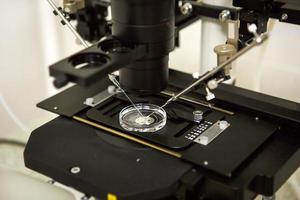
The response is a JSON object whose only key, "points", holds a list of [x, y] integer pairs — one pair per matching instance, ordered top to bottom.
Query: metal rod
{"points": [[70, 26], [215, 70], [113, 79], [198, 102], [129, 137]]}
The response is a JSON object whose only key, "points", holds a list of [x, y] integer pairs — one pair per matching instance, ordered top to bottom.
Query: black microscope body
{"points": [[86, 148]]}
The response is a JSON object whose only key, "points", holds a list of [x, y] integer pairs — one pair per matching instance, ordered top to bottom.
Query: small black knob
{"points": [[60, 81]]}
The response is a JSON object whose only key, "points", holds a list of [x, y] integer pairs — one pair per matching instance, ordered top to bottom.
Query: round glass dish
{"points": [[131, 120]]}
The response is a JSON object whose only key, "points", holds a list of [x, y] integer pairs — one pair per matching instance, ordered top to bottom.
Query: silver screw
{"points": [[186, 8], [67, 9], [224, 16], [284, 17], [213, 84], [55, 108], [257, 118], [223, 125], [138, 160], [205, 163], [75, 170], [51, 181], [84, 198], [268, 198]]}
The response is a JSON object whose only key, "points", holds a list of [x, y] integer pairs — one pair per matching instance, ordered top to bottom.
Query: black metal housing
{"points": [[92, 23], [151, 23], [145, 31], [143, 35], [92, 64], [110, 164]]}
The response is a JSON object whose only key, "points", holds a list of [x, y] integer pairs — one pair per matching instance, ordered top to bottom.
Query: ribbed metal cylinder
{"points": [[149, 22]]}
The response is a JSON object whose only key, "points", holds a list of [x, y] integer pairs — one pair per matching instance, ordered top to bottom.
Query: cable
{"points": [[12, 115], [12, 142]]}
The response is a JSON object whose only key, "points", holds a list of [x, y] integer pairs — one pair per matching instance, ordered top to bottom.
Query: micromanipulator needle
{"points": [[258, 39], [113, 79]]}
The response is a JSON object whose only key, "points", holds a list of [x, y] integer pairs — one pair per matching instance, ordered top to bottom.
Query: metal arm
{"points": [[70, 26], [258, 39]]}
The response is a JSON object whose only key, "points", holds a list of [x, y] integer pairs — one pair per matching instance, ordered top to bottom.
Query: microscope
{"points": [[152, 133]]}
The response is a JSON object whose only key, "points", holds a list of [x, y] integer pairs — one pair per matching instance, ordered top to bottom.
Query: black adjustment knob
{"points": [[55, 13], [60, 81]]}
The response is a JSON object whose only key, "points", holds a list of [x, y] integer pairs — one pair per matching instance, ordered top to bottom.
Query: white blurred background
{"points": [[32, 38]]}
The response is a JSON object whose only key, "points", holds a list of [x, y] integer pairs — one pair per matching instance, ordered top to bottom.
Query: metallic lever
{"points": [[258, 39]]}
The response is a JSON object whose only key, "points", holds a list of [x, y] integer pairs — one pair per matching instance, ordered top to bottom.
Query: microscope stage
{"points": [[180, 133], [255, 153], [112, 165]]}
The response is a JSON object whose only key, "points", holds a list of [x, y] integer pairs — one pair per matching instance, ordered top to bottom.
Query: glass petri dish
{"points": [[131, 120]]}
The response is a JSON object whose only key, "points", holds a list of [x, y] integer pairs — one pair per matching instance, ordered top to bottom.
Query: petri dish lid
{"points": [[131, 120]]}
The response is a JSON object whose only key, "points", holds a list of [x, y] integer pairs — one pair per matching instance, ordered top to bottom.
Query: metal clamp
{"points": [[72, 6], [102, 96], [212, 133]]}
